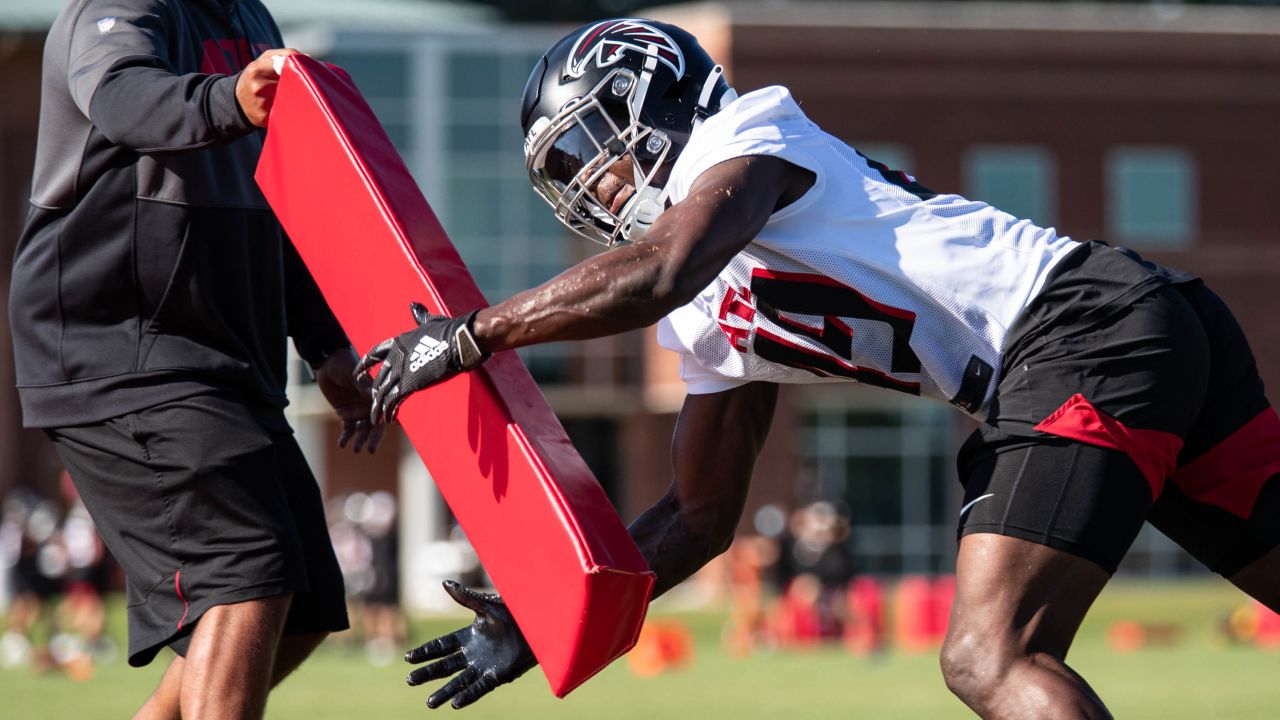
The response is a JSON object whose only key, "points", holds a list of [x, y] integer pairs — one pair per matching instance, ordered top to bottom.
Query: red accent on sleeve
{"points": [[1155, 452], [1231, 474]]}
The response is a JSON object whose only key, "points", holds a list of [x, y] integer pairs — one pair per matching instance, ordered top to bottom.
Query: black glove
{"points": [[439, 348], [491, 651]]}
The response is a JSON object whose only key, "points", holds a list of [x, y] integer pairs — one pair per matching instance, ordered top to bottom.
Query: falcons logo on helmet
{"points": [[607, 42]]}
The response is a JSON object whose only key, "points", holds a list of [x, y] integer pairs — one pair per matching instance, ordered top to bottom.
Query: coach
{"points": [[152, 294]]}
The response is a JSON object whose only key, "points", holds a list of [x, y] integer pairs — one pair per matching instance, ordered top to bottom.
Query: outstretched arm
{"points": [[635, 285], [626, 288], [717, 440]]}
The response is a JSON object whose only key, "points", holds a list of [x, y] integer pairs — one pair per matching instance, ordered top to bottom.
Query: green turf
{"points": [[1199, 677]]}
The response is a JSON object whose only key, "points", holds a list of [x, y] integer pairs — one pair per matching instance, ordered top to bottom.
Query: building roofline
{"points": [[36, 16], [1024, 16]]}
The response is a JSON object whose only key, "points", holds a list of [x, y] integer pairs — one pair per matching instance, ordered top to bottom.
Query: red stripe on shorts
{"points": [[1155, 452], [1231, 474], [186, 607]]}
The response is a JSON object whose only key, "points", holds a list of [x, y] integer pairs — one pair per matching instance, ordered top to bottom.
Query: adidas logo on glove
{"points": [[425, 351]]}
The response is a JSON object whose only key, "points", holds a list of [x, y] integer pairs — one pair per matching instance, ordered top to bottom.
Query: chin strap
{"points": [[703, 109], [649, 204]]}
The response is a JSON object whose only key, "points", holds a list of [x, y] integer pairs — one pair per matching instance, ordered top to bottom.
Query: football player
{"points": [[1111, 391]]}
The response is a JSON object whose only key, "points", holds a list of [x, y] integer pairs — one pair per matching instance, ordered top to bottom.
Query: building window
{"points": [[384, 80], [1017, 179], [1151, 197], [506, 234], [891, 467]]}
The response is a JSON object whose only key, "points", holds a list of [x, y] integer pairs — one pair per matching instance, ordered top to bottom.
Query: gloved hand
{"points": [[439, 348], [491, 651]]}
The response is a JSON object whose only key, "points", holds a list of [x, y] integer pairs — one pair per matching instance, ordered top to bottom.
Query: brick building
{"points": [[1150, 126]]}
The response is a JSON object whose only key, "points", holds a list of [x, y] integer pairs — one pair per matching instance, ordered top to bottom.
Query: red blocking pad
{"points": [[541, 524]]}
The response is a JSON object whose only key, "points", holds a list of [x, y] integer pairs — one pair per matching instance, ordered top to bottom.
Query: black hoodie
{"points": [[150, 267]]}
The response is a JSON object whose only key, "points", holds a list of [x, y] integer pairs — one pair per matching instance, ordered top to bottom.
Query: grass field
{"points": [[1199, 677]]}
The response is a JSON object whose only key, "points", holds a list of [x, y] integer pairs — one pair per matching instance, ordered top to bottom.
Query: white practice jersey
{"points": [[868, 277]]}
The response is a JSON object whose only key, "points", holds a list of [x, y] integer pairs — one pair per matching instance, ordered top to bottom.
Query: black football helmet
{"points": [[622, 88]]}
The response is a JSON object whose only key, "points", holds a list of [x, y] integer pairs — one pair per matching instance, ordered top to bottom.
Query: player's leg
{"points": [[1084, 429], [1223, 502], [1045, 523], [1229, 523], [1261, 579], [1018, 605], [228, 668]]}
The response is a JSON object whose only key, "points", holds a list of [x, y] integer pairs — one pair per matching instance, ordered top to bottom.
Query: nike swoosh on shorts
{"points": [[973, 502]]}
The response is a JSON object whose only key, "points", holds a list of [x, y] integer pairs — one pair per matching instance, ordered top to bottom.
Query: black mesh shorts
{"points": [[1146, 409], [203, 506]]}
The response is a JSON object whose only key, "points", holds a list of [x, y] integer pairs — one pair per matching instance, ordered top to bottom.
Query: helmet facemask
{"points": [[567, 156]]}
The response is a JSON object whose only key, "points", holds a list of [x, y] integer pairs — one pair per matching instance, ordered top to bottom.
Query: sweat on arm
{"points": [[635, 285]]}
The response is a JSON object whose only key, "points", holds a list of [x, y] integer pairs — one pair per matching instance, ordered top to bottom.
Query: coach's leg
{"points": [[1017, 608], [294, 649], [228, 669], [163, 703]]}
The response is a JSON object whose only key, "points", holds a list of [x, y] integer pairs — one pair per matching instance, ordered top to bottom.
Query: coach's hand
{"points": [[256, 86], [439, 348], [350, 397], [488, 653]]}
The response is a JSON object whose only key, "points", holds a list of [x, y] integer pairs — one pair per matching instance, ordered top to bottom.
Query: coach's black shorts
{"points": [[1125, 397], [203, 506]]}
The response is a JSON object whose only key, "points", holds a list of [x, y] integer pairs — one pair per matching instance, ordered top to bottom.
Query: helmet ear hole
{"points": [[676, 90]]}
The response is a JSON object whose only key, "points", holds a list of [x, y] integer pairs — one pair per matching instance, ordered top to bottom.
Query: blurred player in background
{"points": [[152, 298], [1111, 391], [363, 528], [35, 562], [815, 567], [58, 570], [81, 614]]}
